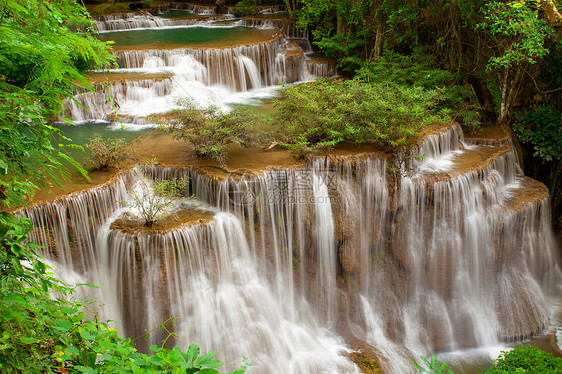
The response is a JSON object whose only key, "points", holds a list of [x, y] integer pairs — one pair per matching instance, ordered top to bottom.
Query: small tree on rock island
{"points": [[152, 198]]}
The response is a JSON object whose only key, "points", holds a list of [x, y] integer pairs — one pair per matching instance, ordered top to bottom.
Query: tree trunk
{"points": [[289, 8], [552, 14], [340, 28], [378, 33], [509, 92], [503, 104]]}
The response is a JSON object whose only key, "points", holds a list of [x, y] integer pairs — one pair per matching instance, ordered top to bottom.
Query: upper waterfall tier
{"points": [[130, 21], [279, 21], [186, 51], [207, 76]]}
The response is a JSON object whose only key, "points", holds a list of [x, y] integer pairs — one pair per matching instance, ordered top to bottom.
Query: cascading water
{"points": [[285, 24], [204, 75], [224, 75], [408, 263], [204, 275]]}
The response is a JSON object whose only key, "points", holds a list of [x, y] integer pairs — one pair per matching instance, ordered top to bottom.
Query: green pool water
{"points": [[185, 36], [80, 134]]}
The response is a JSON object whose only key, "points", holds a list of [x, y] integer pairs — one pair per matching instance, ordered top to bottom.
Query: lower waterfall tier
{"points": [[297, 262]]}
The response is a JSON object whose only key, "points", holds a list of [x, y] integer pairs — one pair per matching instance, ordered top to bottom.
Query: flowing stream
{"points": [[295, 268]]}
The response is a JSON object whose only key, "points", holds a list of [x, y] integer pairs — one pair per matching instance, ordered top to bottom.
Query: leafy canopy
{"points": [[518, 31], [44, 47]]}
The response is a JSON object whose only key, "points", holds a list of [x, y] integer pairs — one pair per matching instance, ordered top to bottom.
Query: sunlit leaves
{"points": [[518, 30], [44, 47]]}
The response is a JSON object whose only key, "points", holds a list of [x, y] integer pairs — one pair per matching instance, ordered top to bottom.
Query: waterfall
{"points": [[128, 21], [132, 21], [287, 26], [222, 64], [247, 68], [204, 75], [208, 76], [130, 97], [325, 240], [407, 261], [204, 275]]}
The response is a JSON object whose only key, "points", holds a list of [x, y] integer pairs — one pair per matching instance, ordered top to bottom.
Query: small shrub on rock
{"points": [[106, 153]]}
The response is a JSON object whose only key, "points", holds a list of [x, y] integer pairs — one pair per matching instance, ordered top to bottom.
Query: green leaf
{"points": [[14, 5], [69, 309], [63, 325], [86, 335], [28, 340], [192, 352]]}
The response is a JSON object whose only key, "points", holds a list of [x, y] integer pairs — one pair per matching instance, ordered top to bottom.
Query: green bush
{"points": [[418, 69], [315, 117], [542, 128], [212, 131], [106, 153], [152, 199], [526, 359]]}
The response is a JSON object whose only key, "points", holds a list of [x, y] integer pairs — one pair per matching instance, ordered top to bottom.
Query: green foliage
{"points": [[248, 7], [345, 30], [518, 30], [519, 36], [500, 42], [42, 55], [418, 69], [315, 117], [542, 128], [212, 131], [106, 153], [151, 199], [526, 359], [432, 366]]}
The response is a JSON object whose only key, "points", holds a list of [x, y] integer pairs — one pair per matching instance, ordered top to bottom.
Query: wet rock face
{"points": [[450, 254]]}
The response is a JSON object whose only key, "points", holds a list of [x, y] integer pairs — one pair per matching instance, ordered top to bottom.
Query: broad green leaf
{"points": [[28, 340]]}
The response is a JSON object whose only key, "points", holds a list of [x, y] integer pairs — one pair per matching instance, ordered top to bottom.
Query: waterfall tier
{"points": [[131, 21], [285, 24], [207, 58], [205, 75], [406, 261]]}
